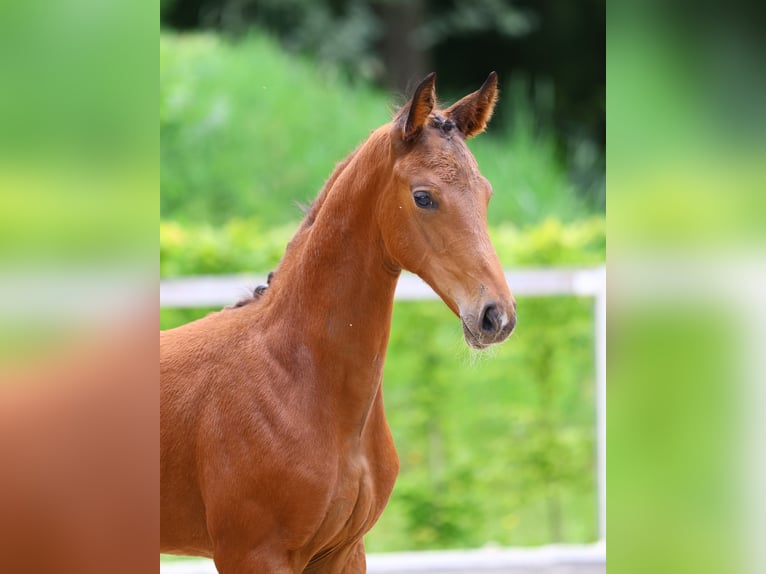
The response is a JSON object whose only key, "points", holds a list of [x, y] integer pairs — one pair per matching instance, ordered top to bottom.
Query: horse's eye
{"points": [[423, 199]]}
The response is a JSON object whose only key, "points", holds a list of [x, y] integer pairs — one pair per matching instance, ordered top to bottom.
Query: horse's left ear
{"points": [[472, 113], [413, 116]]}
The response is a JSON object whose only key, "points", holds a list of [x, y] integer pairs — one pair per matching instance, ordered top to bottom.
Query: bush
{"points": [[248, 131], [247, 245], [237, 247], [494, 447]]}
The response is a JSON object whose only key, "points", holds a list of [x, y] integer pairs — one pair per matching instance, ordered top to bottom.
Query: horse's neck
{"points": [[334, 291]]}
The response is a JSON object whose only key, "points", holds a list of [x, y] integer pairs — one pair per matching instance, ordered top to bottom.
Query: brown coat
{"points": [[275, 451]]}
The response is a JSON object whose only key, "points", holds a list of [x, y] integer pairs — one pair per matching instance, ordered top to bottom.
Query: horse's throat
{"points": [[338, 287], [346, 301]]}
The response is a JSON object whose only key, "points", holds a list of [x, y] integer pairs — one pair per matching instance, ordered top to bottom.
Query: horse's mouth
{"points": [[472, 339], [479, 339]]}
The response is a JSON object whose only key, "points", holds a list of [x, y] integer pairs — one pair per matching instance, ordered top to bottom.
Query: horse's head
{"points": [[434, 217]]}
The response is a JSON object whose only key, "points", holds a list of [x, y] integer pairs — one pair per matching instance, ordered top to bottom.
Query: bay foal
{"points": [[275, 452]]}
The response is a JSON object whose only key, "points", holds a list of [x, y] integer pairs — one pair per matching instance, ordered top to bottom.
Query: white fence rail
{"points": [[215, 291], [586, 559]]}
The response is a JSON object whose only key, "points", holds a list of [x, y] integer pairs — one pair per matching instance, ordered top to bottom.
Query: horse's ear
{"points": [[472, 113], [414, 115]]}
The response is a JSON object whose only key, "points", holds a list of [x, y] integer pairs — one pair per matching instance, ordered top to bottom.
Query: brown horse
{"points": [[275, 452]]}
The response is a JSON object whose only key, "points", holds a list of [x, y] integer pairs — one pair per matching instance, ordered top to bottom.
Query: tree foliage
{"points": [[555, 47], [247, 129]]}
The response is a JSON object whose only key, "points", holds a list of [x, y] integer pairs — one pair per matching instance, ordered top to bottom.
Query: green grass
{"points": [[248, 131]]}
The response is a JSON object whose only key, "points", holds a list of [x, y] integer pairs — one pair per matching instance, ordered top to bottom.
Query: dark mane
{"points": [[316, 205], [310, 212], [257, 294]]}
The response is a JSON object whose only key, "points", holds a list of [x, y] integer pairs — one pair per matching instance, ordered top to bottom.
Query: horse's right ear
{"points": [[472, 113], [414, 114]]}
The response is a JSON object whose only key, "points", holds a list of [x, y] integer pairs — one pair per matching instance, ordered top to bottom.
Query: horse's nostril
{"points": [[490, 319]]}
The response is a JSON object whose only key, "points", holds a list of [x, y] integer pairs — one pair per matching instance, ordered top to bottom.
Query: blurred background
{"points": [[259, 99], [687, 274]]}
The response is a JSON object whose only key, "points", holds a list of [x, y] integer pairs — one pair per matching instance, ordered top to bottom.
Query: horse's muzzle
{"points": [[492, 325]]}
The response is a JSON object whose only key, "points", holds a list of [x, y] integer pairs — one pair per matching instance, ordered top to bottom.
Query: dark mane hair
{"points": [[257, 293]]}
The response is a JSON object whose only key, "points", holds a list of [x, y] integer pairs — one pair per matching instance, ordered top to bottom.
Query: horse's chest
{"points": [[359, 496], [354, 502]]}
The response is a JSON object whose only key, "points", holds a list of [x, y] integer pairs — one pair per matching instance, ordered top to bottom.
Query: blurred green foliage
{"points": [[358, 26], [555, 48], [64, 96], [247, 129], [78, 150], [689, 170], [686, 204], [248, 245], [676, 423], [494, 448]]}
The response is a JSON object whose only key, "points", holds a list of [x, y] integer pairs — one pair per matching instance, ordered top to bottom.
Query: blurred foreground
{"points": [[687, 197], [78, 380], [78, 441]]}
